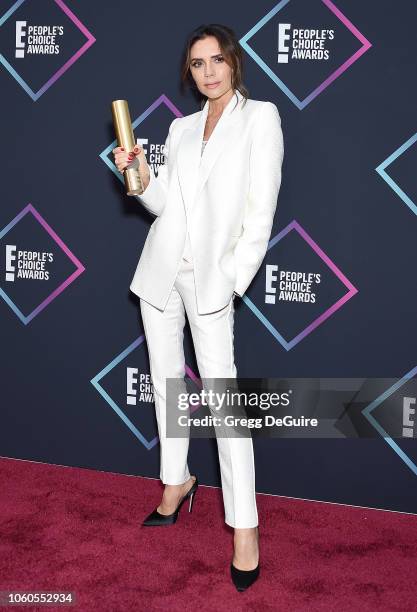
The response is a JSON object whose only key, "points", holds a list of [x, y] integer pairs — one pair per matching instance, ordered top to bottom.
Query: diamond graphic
{"points": [[365, 45], [35, 95], [105, 155], [381, 169], [294, 226], [79, 267], [367, 412], [148, 444]]}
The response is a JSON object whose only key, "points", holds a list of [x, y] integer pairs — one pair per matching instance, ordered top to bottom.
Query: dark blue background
{"points": [[50, 412]]}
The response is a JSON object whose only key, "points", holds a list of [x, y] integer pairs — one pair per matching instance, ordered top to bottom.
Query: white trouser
{"points": [[213, 344]]}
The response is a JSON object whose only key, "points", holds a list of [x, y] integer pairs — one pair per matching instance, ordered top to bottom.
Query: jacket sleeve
{"points": [[266, 156], [155, 195]]}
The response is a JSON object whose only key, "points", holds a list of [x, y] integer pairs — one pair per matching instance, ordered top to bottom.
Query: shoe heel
{"points": [[190, 507], [155, 518]]}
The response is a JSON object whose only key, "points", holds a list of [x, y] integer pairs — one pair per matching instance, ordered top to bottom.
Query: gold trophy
{"points": [[125, 138]]}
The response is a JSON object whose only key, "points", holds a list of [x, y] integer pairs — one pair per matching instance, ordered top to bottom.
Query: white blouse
{"points": [[187, 251]]}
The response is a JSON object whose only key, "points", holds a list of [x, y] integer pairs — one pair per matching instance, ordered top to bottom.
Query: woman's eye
{"points": [[197, 63]]}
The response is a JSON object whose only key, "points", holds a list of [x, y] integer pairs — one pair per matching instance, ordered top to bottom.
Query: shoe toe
{"points": [[155, 519], [242, 579]]}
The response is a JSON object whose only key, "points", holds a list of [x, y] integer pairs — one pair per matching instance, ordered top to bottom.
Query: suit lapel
{"points": [[194, 168]]}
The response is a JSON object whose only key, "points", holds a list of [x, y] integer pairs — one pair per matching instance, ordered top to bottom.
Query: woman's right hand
{"points": [[123, 158]]}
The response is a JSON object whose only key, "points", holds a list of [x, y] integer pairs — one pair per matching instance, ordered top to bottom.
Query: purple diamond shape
{"points": [[90, 40], [365, 45], [294, 225], [79, 267], [96, 382]]}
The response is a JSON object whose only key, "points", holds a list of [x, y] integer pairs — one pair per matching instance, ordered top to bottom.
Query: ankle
{"points": [[173, 488], [246, 533]]}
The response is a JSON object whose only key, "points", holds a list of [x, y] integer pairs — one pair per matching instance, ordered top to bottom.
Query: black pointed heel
{"points": [[156, 519], [242, 579]]}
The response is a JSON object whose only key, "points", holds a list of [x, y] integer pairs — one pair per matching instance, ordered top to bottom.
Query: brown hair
{"points": [[230, 49]]}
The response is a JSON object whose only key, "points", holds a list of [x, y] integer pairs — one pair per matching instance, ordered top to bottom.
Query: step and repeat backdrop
{"points": [[336, 295]]}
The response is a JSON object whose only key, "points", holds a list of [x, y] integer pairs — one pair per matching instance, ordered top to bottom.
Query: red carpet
{"points": [[70, 529]]}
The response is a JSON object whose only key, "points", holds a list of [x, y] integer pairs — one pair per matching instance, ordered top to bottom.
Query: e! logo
{"points": [[20, 34], [283, 36], [10, 258], [145, 387], [408, 422]]}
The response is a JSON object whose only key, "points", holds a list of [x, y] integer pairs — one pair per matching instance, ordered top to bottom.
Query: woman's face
{"points": [[211, 73]]}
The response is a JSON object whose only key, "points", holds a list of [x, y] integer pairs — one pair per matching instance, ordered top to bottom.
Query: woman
{"points": [[214, 199]]}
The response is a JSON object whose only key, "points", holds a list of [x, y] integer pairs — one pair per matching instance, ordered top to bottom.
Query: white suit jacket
{"points": [[227, 197]]}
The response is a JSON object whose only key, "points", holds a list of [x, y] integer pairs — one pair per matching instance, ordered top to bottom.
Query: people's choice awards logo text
{"points": [[37, 39], [302, 43], [154, 153], [27, 264], [290, 286], [139, 387]]}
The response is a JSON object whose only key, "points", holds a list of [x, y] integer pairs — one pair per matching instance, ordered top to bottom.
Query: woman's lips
{"points": [[213, 85]]}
